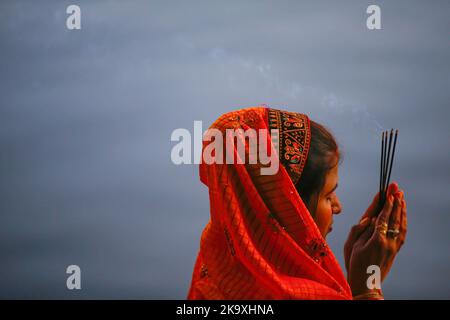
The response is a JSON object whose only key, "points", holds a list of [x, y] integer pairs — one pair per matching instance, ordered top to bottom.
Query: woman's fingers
{"points": [[392, 189], [372, 209], [383, 219], [395, 219], [403, 225], [356, 231], [354, 234], [367, 234]]}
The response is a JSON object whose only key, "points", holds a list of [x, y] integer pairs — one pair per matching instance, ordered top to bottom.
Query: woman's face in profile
{"points": [[328, 203]]}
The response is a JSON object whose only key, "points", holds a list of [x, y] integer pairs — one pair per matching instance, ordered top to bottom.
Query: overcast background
{"points": [[86, 118]]}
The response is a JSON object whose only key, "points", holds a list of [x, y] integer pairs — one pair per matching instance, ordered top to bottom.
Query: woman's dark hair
{"points": [[323, 155]]}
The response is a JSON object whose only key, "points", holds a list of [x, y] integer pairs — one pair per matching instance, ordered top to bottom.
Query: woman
{"points": [[266, 236]]}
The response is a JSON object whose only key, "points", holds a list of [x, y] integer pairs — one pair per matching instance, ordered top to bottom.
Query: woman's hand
{"points": [[376, 240]]}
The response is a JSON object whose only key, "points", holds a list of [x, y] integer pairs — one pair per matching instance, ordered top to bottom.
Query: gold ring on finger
{"points": [[382, 228], [393, 233]]}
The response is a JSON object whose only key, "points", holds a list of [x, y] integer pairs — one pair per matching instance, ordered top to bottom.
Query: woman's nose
{"points": [[337, 207]]}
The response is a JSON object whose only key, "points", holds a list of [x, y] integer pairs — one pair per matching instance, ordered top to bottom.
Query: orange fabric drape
{"points": [[261, 242]]}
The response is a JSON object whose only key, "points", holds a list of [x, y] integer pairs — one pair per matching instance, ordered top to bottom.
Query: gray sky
{"points": [[86, 118]]}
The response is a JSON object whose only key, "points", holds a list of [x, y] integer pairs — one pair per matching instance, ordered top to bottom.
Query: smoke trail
{"points": [[238, 71], [295, 92]]}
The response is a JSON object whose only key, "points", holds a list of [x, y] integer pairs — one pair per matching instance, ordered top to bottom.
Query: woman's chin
{"points": [[328, 231]]}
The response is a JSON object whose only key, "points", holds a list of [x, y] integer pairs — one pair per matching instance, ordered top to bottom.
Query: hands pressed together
{"points": [[376, 240]]}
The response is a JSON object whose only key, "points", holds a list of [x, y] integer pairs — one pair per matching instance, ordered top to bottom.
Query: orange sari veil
{"points": [[261, 241]]}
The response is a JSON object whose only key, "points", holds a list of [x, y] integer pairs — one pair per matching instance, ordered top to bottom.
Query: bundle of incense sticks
{"points": [[387, 159]]}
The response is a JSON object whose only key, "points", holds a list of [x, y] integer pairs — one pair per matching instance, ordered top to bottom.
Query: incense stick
{"points": [[392, 159], [381, 161], [386, 163]]}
